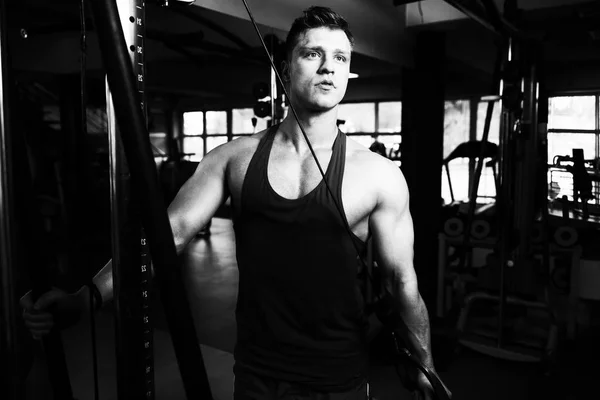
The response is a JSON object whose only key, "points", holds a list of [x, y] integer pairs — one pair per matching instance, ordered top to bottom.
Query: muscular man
{"points": [[300, 312]]}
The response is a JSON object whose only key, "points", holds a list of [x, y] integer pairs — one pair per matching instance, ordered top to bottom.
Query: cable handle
{"points": [[439, 389]]}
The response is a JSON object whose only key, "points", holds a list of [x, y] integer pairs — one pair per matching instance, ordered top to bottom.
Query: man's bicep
{"points": [[199, 198], [392, 227]]}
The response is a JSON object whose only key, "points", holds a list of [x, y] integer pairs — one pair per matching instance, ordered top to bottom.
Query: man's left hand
{"points": [[424, 390]]}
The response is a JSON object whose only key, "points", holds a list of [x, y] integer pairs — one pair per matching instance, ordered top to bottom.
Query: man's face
{"points": [[319, 67]]}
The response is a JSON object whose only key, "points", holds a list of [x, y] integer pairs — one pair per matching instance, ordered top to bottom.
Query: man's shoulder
{"points": [[239, 146], [364, 158], [373, 169]]}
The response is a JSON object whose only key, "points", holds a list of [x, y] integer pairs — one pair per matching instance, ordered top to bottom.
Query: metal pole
{"points": [[144, 179], [506, 199], [131, 271], [8, 349]]}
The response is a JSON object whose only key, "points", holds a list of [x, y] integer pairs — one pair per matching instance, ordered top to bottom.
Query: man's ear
{"points": [[285, 70]]}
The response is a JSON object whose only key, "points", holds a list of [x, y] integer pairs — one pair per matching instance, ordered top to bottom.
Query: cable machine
{"points": [[120, 27], [512, 267]]}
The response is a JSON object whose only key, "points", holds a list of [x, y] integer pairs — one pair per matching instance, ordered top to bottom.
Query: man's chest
{"points": [[294, 178]]}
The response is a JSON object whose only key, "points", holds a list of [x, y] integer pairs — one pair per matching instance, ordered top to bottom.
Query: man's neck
{"points": [[320, 128]]}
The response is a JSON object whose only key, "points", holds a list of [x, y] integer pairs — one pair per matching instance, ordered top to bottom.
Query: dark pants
{"points": [[251, 387]]}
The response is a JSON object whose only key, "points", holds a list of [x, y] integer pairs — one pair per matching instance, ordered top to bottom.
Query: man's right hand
{"points": [[54, 308]]}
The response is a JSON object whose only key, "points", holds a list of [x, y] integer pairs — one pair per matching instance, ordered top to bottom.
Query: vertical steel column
{"points": [[134, 136], [505, 199], [131, 259], [8, 334]]}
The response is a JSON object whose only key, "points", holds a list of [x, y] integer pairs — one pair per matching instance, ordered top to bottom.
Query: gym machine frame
{"points": [[128, 110], [516, 196]]}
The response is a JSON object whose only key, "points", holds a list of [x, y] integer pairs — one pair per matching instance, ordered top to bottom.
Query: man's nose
{"points": [[326, 65]]}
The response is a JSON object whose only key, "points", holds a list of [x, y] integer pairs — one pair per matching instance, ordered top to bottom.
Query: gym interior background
{"points": [[506, 323]]}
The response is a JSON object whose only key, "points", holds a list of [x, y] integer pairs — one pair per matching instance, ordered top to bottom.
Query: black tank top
{"points": [[300, 312]]}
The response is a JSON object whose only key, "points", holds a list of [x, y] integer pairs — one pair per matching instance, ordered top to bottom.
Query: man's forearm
{"points": [[404, 311], [416, 330]]}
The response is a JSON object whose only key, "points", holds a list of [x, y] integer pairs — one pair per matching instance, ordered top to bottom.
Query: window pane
{"points": [[574, 112], [359, 117], [390, 117], [241, 119], [216, 122], [193, 124], [456, 124], [456, 131], [494, 133], [212, 142], [391, 143], [562, 144], [194, 146], [459, 176], [560, 183], [487, 186]]}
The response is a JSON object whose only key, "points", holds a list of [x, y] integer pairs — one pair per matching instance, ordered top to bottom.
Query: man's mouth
{"points": [[326, 84]]}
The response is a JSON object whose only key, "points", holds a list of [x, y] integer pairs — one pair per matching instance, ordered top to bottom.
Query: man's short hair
{"points": [[315, 17]]}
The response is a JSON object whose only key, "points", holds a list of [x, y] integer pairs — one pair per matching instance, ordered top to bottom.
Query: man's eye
{"points": [[312, 54], [341, 58]]}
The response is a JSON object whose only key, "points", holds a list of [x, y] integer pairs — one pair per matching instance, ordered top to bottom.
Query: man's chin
{"points": [[322, 106]]}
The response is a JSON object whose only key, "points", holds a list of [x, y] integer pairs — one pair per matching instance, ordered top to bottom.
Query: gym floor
{"points": [[210, 269]]}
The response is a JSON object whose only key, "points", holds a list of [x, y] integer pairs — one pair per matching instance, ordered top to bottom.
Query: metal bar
{"points": [[184, 10], [475, 16], [493, 21], [501, 24], [495, 88], [590, 131], [137, 147], [506, 201], [131, 272], [8, 321]]}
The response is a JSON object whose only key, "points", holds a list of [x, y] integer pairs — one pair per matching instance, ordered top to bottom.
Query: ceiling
{"points": [[209, 55]]}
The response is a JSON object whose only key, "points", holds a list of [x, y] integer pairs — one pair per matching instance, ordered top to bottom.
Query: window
{"points": [[572, 113], [358, 117], [389, 117], [241, 120], [365, 121], [216, 122], [193, 123], [572, 124], [456, 131], [494, 133], [192, 142], [212, 142], [562, 144], [194, 146], [487, 183]]}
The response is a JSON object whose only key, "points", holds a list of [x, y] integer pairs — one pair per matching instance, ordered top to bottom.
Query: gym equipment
{"points": [[134, 136], [472, 150], [520, 165], [454, 226], [480, 229], [565, 236], [130, 262], [9, 345]]}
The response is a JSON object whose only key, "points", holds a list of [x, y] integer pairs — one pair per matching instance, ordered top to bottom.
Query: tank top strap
{"points": [[335, 173], [254, 180]]}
